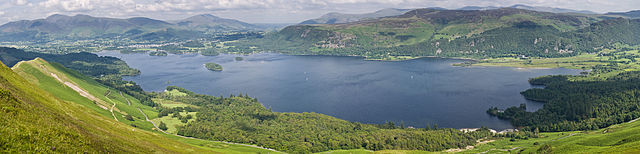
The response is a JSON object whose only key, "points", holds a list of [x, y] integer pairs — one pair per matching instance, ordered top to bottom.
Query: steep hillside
{"points": [[336, 18], [430, 32], [74, 87], [110, 116], [36, 121]]}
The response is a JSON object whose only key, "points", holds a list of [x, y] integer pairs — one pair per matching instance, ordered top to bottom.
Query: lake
{"points": [[417, 92]]}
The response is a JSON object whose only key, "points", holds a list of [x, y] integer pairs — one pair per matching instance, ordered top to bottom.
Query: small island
{"points": [[158, 53], [239, 58], [213, 66]]}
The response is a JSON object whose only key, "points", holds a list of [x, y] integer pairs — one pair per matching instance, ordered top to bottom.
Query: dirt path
{"points": [[82, 92], [125, 98], [114, 115], [156, 126], [565, 136], [480, 142], [506, 150]]}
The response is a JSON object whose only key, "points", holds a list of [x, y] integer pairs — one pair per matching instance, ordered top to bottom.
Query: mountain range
{"points": [[533, 8], [630, 14], [335, 18], [207, 22], [85, 26], [456, 33]]}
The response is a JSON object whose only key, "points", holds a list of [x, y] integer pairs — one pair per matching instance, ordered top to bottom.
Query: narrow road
{"points": [[125, 98], [114, 105], [114, 115], [156, 126], [565, 136], [506, 150]]}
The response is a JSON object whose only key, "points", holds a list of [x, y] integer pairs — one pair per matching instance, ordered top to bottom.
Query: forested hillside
{"points": [[505, 32], [85, 63], [605, 95], [579, 105], [243, 119]]}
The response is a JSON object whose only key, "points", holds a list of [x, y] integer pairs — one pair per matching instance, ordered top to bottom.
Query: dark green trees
{"points": [[578, 105], [244, 120], [163, 126]]}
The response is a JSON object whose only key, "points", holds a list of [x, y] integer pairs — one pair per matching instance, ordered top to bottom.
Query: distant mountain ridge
{"points": [[533, 8], [630, 14], [335, 18], [211, 22], [82, 25], [85, 26]]}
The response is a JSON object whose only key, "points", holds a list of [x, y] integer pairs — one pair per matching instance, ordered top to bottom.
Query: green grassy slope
{"points": [[40, 72], [34, 120], [73, 123], [621, 138]]}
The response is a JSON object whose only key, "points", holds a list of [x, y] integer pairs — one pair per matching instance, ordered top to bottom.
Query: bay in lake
{"points": [[416, 92]]}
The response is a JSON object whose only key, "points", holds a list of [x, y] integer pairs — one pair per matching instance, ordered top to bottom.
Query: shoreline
{"points": [[474, 62]]}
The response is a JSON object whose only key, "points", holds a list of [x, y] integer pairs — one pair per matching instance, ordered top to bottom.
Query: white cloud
{"points": [[21, 2]]}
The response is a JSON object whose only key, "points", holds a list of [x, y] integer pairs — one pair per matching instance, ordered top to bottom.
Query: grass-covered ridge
{"points": [[58, 80], [35, 120], [133, 135]]}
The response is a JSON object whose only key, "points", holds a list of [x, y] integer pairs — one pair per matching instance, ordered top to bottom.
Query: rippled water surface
{"points": [[416, 92]]}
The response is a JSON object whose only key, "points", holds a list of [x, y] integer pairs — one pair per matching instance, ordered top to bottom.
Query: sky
{"points": [[265, 11]]}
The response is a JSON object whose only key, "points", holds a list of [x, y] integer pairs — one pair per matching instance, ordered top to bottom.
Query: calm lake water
{"points": [[416, 92]]}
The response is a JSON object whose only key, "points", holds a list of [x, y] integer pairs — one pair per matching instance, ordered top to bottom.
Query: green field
{"points": [[583, 61], [614, 61], [170, 103], [172, 122]]}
